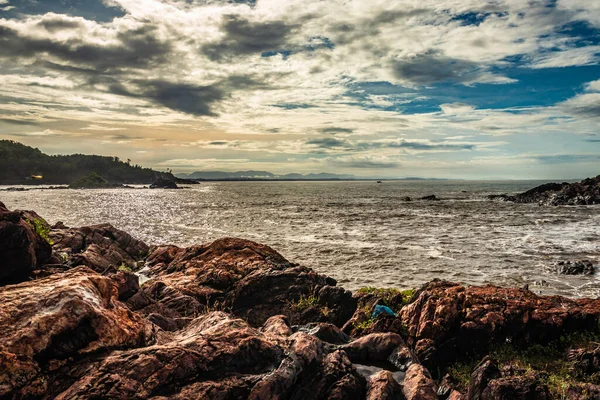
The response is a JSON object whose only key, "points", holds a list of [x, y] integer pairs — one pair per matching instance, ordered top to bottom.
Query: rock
{"points": [[92, 181], [164, 184], [586, 192], [430, 197], [406, 198], [59, 225], [100, 247], [23, 248], [583, 267], [252, 280], [128, 284], [447, 320], [45, 323], [326, 332], [375, 347], [586, 362], [481, 376], [418, 384], [382, 386], [526, 387]]}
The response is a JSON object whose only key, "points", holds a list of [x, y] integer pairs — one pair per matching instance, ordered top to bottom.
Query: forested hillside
{"points": [[20, 164]]}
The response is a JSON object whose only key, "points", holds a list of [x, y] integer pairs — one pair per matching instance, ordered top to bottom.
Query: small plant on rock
{"points": [[41, 229]]}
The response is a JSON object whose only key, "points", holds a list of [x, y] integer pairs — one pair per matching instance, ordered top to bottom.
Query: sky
{"points": [[470, 89]]}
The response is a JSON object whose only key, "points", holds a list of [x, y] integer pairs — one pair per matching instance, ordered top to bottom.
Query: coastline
{"points": [[276, 329]]}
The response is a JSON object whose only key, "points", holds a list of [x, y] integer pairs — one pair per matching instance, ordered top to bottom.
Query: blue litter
{"points": [[382, 310]]}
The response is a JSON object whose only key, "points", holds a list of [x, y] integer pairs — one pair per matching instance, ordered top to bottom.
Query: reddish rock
{"points": [[100, 247], [23, 250], [250, 279], [448, 319], [46, 322], [375, 347], [418, 384], [382, 386]]}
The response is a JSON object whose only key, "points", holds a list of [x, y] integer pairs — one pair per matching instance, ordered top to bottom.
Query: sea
{"points": [[362, 233]]}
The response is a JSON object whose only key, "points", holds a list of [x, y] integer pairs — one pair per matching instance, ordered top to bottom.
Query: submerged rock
{"points": [[582, 267]]}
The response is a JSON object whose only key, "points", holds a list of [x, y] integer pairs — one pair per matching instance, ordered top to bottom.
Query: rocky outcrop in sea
{"points": [[586, 192], [93, 313]]}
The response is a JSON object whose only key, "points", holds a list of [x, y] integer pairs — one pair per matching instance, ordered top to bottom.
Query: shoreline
{"points": [[269, 323]]}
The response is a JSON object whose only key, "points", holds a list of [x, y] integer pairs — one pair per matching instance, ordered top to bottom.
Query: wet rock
{"points": [[164, 184], [430, 197], [406, 198], [100, 247], [23, 249], [582, 267], [447, 320], [46, 322], [418, 384], [382, 386]]}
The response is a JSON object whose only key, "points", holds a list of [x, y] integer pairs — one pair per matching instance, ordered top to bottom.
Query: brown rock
{"points": [[100, 247], [23, 250], [250, 279], [448, 319], [47, 321], [483, 373], [418, 384], [382, 386], [527, 387]]}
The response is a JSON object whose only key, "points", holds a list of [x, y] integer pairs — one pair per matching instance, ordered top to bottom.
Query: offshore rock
{"points": [[164, 184], [586, 192], [23, 249], [582, 267], [448, 320]]}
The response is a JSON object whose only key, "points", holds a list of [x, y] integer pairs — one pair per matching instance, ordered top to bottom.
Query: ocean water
{"points": [[360, 233]]}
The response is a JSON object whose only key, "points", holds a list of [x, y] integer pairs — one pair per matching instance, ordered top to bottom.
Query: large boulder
{"points": [[586, 192], [23, 247], [100, 247], [251, 280], [448, 321], [48, 322]]}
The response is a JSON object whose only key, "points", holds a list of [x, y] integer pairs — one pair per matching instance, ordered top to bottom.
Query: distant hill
{"points": [[20, 164], [260, 175]]}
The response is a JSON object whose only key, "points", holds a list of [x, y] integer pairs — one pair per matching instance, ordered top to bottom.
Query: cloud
{"points": [[242, 37], [433, 67], [584, 105], [335, 130], [327, 143], [363, 162]]}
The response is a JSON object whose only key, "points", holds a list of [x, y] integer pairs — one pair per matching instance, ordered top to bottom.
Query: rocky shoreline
{"points": [[586, 192], [93, 313]]}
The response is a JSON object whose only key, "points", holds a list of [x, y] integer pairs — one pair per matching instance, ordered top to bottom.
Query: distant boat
{"points": [[379, 182]]}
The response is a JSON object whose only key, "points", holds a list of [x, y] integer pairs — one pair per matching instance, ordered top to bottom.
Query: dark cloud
{"points": [[55, 22], [243, 37], [137, 48], [432, 67], [191, 99], [584, 108], [333, 130], [327, 143]]}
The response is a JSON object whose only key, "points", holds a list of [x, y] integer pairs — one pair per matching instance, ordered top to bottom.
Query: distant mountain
{"points": [[20, 164], [260, 175]]}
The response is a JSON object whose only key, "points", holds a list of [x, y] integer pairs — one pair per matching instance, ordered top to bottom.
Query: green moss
{"points": [[42, 229], [125, 268], [393, 298], [305, 302], [365, 325], [549, 361]]}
